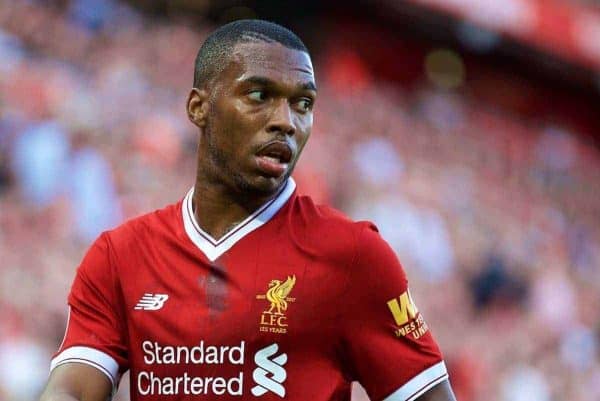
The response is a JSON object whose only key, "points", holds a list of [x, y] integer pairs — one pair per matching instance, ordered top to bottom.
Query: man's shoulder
{"points": [[318, 216], [149, 226], [328, 228]]}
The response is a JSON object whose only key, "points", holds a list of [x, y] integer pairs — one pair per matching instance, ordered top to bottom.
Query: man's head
{"points": [[217, 48], [252, 100]]}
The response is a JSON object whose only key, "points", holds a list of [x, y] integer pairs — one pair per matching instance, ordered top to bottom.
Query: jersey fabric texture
{"points": [[296, 302]]}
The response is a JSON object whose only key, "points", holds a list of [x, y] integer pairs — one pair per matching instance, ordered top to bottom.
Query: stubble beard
{"points": [[222, 172]]}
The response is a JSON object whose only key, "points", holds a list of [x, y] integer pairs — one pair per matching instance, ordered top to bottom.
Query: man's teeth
{"points": [[272, 159]]}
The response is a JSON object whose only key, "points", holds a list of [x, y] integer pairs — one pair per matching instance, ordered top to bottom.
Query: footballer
{"points": [[244, 289]]}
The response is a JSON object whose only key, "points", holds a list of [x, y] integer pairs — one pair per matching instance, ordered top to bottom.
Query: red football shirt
{"points": [[295, 303]]}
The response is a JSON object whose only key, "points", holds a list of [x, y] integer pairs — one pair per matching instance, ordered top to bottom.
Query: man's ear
{"points": [[197, 106]]}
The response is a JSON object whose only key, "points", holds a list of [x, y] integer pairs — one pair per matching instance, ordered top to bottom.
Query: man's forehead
{"points": [[272, 58]]}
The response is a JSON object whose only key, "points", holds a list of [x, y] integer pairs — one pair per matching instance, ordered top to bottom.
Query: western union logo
{"points": [[403, 308], [407, 317]]}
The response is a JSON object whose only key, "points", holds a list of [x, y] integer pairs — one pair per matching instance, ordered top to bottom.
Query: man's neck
{"points": [[217, 210]]}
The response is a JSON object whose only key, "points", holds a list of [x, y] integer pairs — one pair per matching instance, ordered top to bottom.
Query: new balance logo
{"points": [[152, 301], [271, 367]]}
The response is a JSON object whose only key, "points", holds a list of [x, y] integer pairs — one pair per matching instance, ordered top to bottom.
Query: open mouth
{"points": [[278, 152], [274, 158]]}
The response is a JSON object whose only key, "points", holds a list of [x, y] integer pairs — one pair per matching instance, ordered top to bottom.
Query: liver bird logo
{"points": [[278, 293]]}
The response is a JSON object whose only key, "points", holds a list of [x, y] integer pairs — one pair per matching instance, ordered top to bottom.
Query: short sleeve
{"points": [[95, 332], [388, 345]]}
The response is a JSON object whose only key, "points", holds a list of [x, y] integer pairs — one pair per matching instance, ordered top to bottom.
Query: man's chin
{"points": [[261, 185], [270, 185]]}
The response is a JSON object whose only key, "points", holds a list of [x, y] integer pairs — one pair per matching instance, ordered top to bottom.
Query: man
{"points": [[245, 289]]}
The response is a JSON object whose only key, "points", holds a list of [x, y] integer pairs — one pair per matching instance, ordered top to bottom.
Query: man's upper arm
{"points": [[95, 334], [389, 347], [77, 381], [441, 392]]}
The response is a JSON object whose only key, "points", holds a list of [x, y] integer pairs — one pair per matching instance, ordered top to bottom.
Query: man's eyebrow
{"points": [[264, 81], [310, 85]]}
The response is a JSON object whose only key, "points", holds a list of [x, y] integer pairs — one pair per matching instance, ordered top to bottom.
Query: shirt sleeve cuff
{"points": [[92, 357], [420, 384]]}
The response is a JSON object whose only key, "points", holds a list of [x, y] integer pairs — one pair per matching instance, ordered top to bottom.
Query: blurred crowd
{"points": [[494, 217]]}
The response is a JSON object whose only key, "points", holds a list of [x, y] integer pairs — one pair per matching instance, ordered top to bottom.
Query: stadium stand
{"points": [[494, 215]]}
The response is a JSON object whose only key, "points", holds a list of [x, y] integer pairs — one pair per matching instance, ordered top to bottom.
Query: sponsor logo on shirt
{"points": [[151, 301], [407, 316], [273, 319], [156, 355], [269, 374]]}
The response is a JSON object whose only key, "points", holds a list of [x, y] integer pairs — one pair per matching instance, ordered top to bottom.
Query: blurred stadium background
{"points": [[468, 130]]}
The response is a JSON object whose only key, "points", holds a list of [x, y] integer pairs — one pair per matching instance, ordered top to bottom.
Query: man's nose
{"points": [[282, 119]]}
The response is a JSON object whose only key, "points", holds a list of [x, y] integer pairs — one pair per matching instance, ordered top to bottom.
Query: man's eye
{"points": [[258, 95], [305, 104]]}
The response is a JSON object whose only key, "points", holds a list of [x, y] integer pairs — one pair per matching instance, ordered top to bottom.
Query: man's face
{"points": [[259, 117]]}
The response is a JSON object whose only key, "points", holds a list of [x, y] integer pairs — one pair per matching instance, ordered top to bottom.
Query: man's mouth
{"points": [[273, 159]]}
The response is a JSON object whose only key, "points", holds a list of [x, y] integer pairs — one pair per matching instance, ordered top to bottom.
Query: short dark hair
{"points": [[212, 56]]}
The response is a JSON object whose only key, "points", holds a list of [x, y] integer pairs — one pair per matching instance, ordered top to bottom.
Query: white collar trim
{"points": [[213, 248]]}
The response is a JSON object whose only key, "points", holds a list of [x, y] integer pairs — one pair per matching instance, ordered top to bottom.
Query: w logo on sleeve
{"points": [[152, 301], [270, 374]]}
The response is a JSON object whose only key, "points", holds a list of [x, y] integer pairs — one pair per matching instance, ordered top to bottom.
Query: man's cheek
{"points": [[302, 140]]}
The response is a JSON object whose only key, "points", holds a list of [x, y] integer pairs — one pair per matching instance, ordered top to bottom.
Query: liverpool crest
{"points": [[273, 319]]}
